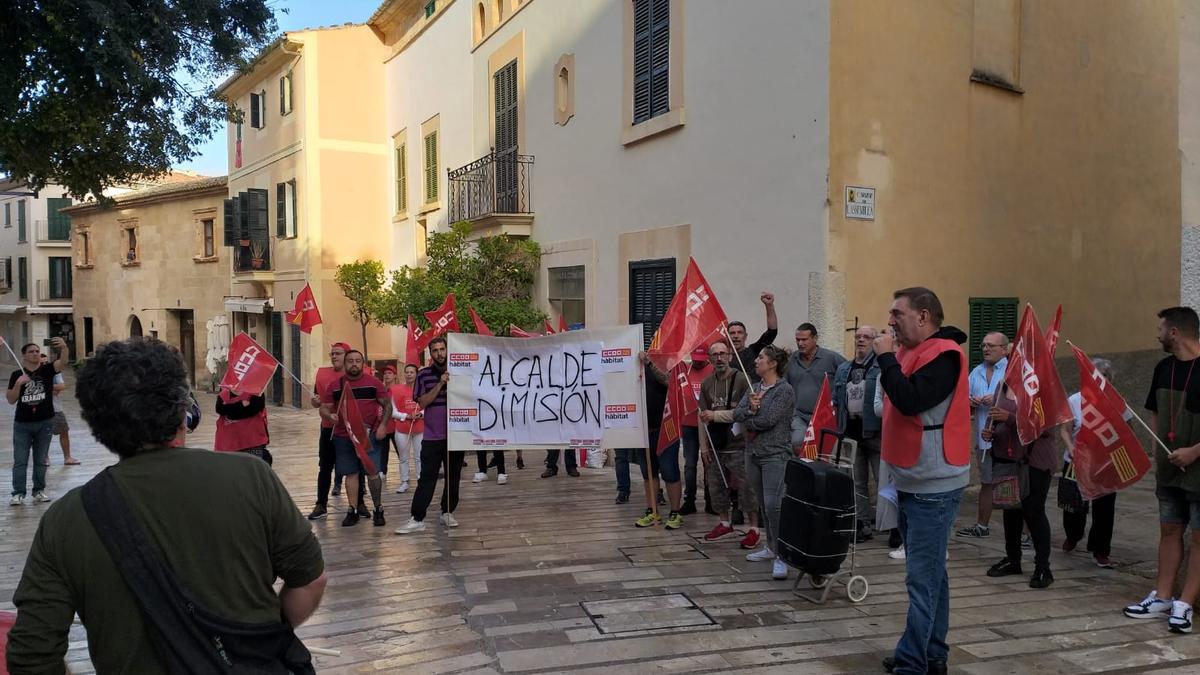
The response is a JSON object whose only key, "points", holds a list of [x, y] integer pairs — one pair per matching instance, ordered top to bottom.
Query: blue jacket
{"points": [[872, 423]]}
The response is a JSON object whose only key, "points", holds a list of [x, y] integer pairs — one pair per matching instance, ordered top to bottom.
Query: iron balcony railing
{"points": [[497, 183], [252, 255]]}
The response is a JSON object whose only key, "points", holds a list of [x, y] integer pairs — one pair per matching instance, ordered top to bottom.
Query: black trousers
{"points": [[386, 447], [433, 457], [497, 457], [552, 459], [325, 462], [1104, 511], [1033, 514]]}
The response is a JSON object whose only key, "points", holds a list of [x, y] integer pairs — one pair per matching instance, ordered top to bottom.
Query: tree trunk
{"points": [[366, 360]]}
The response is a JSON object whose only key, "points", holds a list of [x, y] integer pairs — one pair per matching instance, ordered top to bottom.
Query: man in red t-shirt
{"points": [[699, 370], [325, 378], [374, 407]]}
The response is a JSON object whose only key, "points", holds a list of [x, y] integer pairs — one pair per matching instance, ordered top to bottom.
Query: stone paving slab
{"points": [[510, 590]]}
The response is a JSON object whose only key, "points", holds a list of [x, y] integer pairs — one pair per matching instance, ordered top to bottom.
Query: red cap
{"points": [[340, 345], [700, 355], [389, 369]]}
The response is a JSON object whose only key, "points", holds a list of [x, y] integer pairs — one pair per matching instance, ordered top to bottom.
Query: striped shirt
{"points": [[435, 413]]}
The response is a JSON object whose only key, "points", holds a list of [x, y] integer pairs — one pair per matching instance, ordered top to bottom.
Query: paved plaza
{"points": [[548, 575]]}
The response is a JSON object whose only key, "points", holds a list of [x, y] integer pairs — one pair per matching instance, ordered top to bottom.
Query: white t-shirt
{"points": [[58, 379]]}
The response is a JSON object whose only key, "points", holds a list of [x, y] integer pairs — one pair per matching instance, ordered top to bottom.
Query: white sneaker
{"points": [[479, 478], [501, 479], [403, 488], [40, 497], [16, 500], [448, 520], [413, 525], [898, 554], [760, 555], [779, 570], [1152, 607], [1180, 620]]}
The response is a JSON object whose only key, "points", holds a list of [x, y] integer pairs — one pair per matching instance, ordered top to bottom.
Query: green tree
{"points": [[95, 93], [494, 275], [362, 283]]}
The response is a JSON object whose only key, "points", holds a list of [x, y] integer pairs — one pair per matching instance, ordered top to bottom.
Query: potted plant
{"points": [[257, 249]]}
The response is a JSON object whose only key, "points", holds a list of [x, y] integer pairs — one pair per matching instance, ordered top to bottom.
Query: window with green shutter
{"points": [[430, 8], [651, 58], [431, 167], [401, 178], [59, 224], [21, 235], [23, 278], [988, 315]]}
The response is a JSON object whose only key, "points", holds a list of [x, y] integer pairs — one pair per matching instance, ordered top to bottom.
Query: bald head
{"points": [[994, 347]]}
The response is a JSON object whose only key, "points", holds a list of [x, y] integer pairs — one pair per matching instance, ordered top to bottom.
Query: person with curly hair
{"points": [[223, 523]]}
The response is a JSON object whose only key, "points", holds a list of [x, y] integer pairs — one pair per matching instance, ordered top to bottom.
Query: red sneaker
{"points": [[718, 532], [750, 540]]}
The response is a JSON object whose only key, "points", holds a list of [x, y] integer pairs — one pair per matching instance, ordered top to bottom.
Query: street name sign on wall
{"points": [[860, 202]]}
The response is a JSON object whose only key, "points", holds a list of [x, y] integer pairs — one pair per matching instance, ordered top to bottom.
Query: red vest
{"points": [[402, 400], [902, 434], [235, 435]]}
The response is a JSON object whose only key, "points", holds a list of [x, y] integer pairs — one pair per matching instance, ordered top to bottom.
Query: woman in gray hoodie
{"points": [[766, 413]]}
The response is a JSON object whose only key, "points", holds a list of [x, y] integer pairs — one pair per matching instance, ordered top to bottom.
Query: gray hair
{"points": [[1003, 337], [1104, 366]]}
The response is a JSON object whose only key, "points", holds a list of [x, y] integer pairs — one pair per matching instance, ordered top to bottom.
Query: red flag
{"points": [[305, 314], [693, 316], [443, 319], [562, 324], [480, 327], [547, 329], [513, 331], [1052, 331], [415, 343], [250, 366], [1031, 375], [350, 417], [822, 419], [668, 431], [1107, 455]]}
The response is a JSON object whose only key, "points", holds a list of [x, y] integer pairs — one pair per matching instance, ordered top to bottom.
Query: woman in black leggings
{"points": [[1042, 458]]}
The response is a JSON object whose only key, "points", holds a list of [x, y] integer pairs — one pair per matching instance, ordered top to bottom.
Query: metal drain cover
{"points": [[646, 612]]}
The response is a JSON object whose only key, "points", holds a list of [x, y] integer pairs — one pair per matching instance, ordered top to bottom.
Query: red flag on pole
{"points": [[305, 314], [693, 316], [443, 319], [562, 324], [480, 327], [547, 329], [513, 331], [1052, 331], [415, 342], [250, 366], [1032, 376], [350, 417], [822, 418], [668, 431], [1107, 456]]}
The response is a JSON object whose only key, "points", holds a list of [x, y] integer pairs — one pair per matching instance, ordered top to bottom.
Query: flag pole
{"points": [[14, 355], [1150, 431], [716, 457]]}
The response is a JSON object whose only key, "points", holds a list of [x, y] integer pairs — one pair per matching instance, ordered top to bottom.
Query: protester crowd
{"points": [[915, 412]]}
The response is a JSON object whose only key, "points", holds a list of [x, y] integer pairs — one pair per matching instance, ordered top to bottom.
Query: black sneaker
{"points": [[520, 463], [337, 491], [622, 497], [688, 508], [319, 512], [363, 512], [351, 519], [378, 519], [894, 539], [1004, 568], [1041, 578], [932, 667]]}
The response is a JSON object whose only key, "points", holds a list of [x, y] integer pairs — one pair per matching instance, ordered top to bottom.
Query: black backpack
{"points": [[187, 637]]}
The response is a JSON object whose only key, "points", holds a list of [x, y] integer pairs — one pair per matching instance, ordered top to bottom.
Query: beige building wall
{"points": [[333, 144], [1017, 148], [1189, 148], [169, 276]]}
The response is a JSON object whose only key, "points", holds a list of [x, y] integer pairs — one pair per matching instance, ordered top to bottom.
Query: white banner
{"points": [[556, 391]]}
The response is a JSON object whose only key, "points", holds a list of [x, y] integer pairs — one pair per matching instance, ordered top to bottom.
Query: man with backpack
{"points": [[205, 531]]}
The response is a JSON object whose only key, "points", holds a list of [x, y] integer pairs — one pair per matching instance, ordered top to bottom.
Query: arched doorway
{"points": [[135, 327]]}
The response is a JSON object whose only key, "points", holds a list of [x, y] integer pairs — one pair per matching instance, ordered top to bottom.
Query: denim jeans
{"points": [[28, 436], [691, 453], [621, 467], [765, 476], [925, 524]]}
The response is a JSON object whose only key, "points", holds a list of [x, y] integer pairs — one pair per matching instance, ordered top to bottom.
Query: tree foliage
{"points": [[91, 92], [495, 275], [362, 283]]}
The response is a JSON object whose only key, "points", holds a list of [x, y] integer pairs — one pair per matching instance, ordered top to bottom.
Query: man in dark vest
{"points": [[927, 446]]}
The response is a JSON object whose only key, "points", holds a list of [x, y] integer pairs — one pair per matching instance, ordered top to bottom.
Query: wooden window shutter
{"points": [[660, 57], [641, 60], [255, 112], [431, 165], [401, 179], [281, 210], [257, 219], [231, 226], [987, 315], [277, 352]]}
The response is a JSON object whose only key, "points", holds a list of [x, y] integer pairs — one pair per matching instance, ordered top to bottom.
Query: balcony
{"points": [[494, 194], [52, 234], [251, 256], [52, 294]]}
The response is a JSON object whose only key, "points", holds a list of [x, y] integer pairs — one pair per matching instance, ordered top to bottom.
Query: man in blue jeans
{"points": [[30, 389], [927, 446]]}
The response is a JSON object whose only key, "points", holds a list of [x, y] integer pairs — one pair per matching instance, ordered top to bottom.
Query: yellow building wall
{"points": [[1067, 192], [167, 276]]}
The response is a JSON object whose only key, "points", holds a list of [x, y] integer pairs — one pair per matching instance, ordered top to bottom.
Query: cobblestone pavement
{"points": [[548, 575]]}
